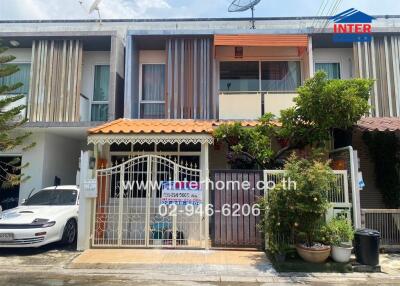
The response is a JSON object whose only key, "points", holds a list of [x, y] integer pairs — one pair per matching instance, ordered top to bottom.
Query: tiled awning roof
{"points": [[379, 124], [161, 126], [125, 131]]}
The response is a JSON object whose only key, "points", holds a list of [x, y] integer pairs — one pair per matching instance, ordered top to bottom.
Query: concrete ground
{"points": [[56, 266]]}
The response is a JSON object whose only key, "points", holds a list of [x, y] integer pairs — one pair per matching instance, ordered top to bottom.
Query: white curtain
{"points": [[153, 91]]}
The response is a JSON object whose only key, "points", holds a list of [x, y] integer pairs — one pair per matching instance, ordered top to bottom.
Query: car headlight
{"points": [[40, 222], [49, 224]]}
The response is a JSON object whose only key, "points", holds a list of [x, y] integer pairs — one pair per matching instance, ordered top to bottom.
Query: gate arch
{"points": [[130, 216]]}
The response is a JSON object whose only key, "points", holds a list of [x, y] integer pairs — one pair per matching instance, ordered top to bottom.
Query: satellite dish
{"points": [[244, 5], [94, 6]]}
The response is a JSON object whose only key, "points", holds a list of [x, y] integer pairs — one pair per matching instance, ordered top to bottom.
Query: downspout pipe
{"points": [[355, 203]]}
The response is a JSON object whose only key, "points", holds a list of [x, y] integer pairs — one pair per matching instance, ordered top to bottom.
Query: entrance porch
{"points": [[134, 159]]}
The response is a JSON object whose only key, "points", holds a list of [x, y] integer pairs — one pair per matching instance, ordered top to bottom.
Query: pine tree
{"points": [[11, 136]]}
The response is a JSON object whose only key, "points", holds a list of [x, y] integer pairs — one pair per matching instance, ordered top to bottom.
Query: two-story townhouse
{"points": [[182, 78], [72, 80]]}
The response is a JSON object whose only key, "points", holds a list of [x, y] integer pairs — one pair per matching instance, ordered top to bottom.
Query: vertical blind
{"points": [[380, 60], [191, 91], [99, 107]]}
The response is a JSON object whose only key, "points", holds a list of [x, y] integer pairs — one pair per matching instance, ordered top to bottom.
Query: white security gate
{"points": [[128, 206]]}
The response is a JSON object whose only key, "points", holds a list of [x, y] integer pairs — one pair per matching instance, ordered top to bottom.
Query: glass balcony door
{"points": [[255, 76]]}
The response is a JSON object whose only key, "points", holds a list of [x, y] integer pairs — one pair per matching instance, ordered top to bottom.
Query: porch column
{"points": [[310, 57], [204, 164], [85, 203]]}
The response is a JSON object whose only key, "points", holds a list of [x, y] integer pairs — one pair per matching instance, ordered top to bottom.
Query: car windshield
{"points": [[53, 198]]}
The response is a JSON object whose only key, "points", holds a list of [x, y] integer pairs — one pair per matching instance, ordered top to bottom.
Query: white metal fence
{"points": [[338, 195], [130, 217], [387, 222]]}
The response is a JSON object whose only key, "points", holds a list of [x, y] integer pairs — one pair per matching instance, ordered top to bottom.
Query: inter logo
{"points": [[352, 26]]}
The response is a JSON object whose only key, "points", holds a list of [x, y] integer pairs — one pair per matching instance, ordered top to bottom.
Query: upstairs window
{"points": [[331, 69], [23, 76], [239, 76], [254, 76], [280, 76], [152, 101], [99, 108]]}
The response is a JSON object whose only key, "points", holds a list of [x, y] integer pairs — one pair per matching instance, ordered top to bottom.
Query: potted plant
{"points": [[308, 203], [341, 233]]}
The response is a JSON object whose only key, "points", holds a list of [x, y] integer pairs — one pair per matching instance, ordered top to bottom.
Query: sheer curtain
{"points": [[331, 69], [280, 76], [153, 91]]}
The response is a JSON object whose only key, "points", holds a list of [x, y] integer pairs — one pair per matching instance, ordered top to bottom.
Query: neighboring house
{"points": [[72, 80], [179, 80]]}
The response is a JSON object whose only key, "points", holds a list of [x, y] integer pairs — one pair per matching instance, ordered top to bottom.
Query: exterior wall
{"points": [[257, 53], [343, 56], [90, 60], [117, 77], [275, 102], [239, 106], [52, 156], [35, 158], [61, 159], [218, 159], [370, 196]]}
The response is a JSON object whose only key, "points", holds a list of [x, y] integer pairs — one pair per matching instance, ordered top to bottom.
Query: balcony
{"points": [[251, 105]]}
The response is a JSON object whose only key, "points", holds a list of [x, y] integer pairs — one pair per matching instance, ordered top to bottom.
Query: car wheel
{"points": [[70, 231]]}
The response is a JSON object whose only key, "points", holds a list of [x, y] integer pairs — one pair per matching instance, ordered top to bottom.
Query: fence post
{"points": [[265, 173], [362, 218]]}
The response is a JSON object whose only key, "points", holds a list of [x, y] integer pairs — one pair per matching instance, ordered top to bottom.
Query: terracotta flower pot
{"points": [[313, 255]]}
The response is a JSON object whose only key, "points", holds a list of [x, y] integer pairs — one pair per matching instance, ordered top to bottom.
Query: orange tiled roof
{"points": [[379, 124], [136, 126]]}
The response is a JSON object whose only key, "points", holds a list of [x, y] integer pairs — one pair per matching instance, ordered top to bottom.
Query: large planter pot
{"points": [[341, 254], [313, 255]]}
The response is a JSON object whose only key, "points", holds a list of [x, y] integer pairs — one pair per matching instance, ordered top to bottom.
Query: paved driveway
{"points": [[52, 255], [55, 266]]}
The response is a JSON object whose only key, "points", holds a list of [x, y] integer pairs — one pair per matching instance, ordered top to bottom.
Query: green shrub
{"points": [[298, 211], [339, 230]]}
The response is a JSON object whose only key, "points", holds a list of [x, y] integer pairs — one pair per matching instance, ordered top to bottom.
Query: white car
{"points": [[47, 216]]}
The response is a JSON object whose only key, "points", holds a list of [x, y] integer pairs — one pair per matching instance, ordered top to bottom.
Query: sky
{"points": [[134, 9]]}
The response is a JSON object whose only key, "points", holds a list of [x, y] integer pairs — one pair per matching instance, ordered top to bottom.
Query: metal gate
{"points": [[129, 212], [234, 223]]}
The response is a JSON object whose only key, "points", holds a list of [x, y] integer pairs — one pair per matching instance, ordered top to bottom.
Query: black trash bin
{"points": [[366, 246]]}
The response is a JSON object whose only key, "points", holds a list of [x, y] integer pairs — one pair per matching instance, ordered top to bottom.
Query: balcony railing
{"points": [[251, 105]]}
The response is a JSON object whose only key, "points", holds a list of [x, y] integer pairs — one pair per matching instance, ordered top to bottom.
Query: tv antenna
{"points": [[244, 5]]}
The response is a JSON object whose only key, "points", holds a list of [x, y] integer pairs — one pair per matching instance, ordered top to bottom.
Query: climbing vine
{"points": [[384, 149]]}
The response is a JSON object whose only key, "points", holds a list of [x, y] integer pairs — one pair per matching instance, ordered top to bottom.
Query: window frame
{"points": [[328, 61], [260, 74], [141, 101], [101, 102]]}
